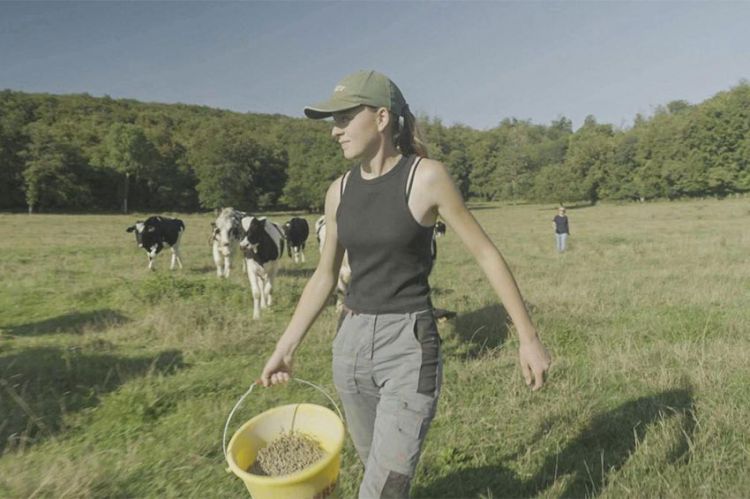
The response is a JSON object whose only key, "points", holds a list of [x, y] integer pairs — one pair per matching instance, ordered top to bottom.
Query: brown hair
{"points": [[407, 137]]}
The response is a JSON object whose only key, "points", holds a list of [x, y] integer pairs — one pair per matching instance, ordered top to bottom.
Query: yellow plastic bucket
{"points": [[315, 482]]}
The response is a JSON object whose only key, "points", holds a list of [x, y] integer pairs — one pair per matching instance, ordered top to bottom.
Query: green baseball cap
{"points": [[363, 87]]}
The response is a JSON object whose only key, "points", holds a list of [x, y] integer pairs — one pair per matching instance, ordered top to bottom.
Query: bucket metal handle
{"points": [[250, 390]]}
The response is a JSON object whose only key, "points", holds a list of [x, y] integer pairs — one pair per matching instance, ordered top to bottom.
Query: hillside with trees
{"points": [[83, 153]]}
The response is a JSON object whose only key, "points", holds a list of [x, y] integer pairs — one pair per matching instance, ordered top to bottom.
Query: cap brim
{"points": [[327, 108]]}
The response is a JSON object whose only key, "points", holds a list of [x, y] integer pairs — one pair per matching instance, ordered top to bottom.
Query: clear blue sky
{"points": [[465, 62]]}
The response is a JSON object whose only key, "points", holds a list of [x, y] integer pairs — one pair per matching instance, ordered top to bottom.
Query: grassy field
{"points": [[116, 382]]}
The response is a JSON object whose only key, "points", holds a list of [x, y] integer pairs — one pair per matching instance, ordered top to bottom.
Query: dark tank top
{"points": [[389, 251]]}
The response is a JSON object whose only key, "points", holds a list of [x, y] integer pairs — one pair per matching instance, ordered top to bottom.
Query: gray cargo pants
{"points": [[387, 369]]}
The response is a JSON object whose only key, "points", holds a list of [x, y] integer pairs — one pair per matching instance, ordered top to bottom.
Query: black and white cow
{"points": [[320, 225], [227, 231], [296, 231], [438, 231], [157, 232], [263, 244], [345, 272]]}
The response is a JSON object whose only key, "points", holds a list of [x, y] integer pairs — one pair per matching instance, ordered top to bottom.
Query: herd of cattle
{"points": [[260, 240]]}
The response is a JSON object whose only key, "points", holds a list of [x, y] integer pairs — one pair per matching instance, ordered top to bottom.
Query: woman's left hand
{"points": [[535, 361]]}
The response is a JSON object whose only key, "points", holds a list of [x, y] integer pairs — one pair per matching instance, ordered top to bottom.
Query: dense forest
{"points": [[82, 153]]}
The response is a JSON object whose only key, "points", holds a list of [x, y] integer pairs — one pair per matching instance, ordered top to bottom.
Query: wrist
{"points": [[527, 336], [285, 348]]}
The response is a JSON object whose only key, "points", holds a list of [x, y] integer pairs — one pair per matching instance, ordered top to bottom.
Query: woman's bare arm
{"points": [[435, 180], [314, 297]]}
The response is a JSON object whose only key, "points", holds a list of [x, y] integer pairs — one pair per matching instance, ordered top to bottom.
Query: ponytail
{"points": [[407, 137]]}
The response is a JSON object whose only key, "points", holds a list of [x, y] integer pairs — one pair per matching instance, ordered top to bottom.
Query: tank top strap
{"points": [[412, 173], [344, 179]]}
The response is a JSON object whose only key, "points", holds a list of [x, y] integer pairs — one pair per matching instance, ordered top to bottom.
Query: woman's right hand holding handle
{"points": [[278, 369]]}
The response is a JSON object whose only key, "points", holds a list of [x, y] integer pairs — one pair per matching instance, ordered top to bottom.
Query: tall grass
{"points": [[116, 381]]}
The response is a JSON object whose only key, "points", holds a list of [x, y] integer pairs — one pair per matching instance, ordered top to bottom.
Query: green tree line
{"points": [[78, 152]]}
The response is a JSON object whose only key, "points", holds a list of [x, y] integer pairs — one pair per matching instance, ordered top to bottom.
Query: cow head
{"points": [[138, 228], [225, 229], [253, 229], [146, 236]]}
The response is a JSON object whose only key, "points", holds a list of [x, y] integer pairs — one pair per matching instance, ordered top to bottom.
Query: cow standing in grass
{"points": [[439, 229], [227, 231], [157, 232], [296, 232], [320, 232], [263, 244], [345, 272]]}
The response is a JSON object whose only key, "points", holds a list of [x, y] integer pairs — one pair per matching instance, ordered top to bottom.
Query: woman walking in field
{"points": [[562, 229], [387, 365]]}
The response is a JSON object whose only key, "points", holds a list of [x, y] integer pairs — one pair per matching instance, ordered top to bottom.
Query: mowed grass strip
{"points": [[116, 381]]}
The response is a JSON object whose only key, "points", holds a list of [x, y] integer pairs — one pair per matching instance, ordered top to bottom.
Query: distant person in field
{"points": [[562, 229], [387, 362]]}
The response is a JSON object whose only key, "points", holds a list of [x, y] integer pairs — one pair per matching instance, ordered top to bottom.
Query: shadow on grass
{"points": [[206, 269], [296, 272], [73, 322], [483, 329], [38, 386], [603, 447]]}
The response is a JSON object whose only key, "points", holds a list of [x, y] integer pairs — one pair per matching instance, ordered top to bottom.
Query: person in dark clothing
{"points": [[562, 229], [387, 362]]}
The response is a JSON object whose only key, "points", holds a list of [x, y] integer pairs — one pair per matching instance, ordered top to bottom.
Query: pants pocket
{"points": [[340, 333], [426, 334], [344, 357], [344, 373], [413, 419], [410, 423]]}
